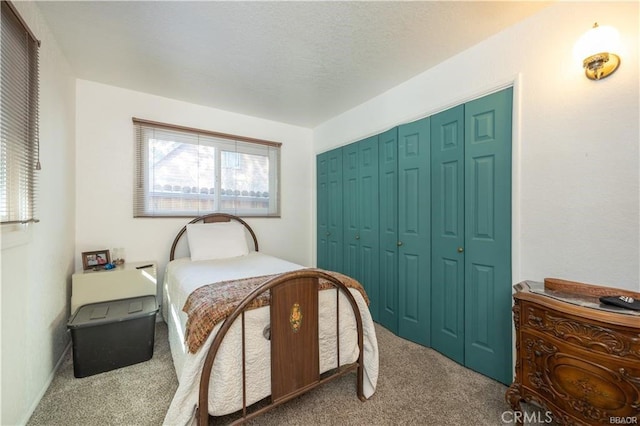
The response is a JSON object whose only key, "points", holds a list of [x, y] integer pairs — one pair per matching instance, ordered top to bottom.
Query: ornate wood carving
{"points": [[516, 313], [516, 323], [584, 334], [536, 353], [513, 396]]}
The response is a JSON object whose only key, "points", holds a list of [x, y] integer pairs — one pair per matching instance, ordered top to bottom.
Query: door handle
{"points": [[399, 243], [460, 249]]}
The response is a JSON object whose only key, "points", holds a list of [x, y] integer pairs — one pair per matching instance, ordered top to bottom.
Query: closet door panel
{"points": [[388, 175], [447, 185], [322, 190], [351, 210], [334, 211], [369, 229], [414, 231], [488, 235], [409, 270], [479, 330]]}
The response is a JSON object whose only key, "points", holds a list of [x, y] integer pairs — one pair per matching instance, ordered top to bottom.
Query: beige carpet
{"points": [[417, 386], [136, 395]]}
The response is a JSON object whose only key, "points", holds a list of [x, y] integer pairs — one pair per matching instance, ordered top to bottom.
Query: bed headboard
{"points": [[212, 218]]}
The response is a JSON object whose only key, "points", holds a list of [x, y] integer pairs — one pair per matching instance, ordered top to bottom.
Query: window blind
{"points": [[18, 119], [186, 172]]}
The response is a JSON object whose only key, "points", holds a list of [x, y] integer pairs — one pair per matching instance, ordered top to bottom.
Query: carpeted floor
{"points": [[417, 386], [136, 395]]}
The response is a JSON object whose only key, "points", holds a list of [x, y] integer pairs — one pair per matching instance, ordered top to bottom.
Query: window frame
{"points": [[221, 142]]}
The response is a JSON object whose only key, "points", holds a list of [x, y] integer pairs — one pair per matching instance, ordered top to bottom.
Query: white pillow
{"points": [[216, 240]]}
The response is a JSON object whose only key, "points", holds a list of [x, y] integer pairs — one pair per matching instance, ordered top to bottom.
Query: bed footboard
{"points": [[294, 327]]}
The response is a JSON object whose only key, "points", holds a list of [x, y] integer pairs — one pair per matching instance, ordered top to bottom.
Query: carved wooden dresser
{"points": [[575, 357]]}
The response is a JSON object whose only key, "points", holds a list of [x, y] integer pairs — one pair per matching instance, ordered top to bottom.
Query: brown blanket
{"points": [[210, 304]]}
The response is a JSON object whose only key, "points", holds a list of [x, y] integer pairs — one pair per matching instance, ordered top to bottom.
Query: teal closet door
{"points": [[388, 174], [322, 194], [329, 210], [351, 210], [334, 211], [360, 216], [368, 218], [447, 222], [414, 231], [488, 235]]}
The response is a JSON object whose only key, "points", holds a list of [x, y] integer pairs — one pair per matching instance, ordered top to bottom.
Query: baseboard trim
{"points": [[36, 402]]}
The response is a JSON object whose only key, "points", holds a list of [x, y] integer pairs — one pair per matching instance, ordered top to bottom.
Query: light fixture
{"points": [[595, 49]]}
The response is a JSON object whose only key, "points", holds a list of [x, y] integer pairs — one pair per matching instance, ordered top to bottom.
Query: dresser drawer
{"points": [[593, 336], [586, 386]]}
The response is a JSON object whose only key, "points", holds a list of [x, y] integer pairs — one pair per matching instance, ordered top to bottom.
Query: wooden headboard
{"points": [[212, 218]]}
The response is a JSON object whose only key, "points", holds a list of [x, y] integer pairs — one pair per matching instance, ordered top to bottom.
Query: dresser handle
{"points": [[357, 237], [537, 353]]}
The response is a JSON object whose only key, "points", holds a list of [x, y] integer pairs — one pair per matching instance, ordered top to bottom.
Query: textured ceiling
{"points": [[295, 62]]}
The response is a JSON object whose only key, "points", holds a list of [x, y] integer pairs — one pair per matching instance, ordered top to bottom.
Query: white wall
{"points": [[576, 142], [105, 161], [37, 263]]}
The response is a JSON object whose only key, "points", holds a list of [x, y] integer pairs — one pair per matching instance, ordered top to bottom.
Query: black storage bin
{"points": [[114, 334]]}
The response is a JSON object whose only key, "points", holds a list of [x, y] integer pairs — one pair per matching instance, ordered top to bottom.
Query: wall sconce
{"points": [[595, 49]]}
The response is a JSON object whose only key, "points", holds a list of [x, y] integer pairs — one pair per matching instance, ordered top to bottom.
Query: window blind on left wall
{"points": [[19, 119]]}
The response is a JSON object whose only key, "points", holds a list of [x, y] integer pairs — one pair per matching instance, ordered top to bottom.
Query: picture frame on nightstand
{"points": [[95, 259]]}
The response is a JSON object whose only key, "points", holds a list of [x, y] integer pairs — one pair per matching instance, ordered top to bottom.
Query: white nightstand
{"points": [[119, 283]]}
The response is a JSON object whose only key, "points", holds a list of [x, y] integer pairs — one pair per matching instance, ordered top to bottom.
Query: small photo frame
{"points": [[95, 259]]}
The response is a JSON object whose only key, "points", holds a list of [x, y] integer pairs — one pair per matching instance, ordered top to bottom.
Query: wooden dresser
{"points": [[575, 357]]}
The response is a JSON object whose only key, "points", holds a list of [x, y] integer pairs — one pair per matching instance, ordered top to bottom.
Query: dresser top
{"points": [[568, 294]]}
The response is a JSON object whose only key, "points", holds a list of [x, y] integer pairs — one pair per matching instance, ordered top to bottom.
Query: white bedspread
{"points": [[182, 276]]}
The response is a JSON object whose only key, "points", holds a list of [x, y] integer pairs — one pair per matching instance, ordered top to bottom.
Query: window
{"points": [[18, 119], [188, 172]]}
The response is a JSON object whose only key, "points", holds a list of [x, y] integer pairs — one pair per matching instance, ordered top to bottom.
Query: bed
{"points": [[314, 326]]}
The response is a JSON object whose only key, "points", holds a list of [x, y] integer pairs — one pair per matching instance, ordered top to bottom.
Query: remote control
{"points": [[627, 302]]}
